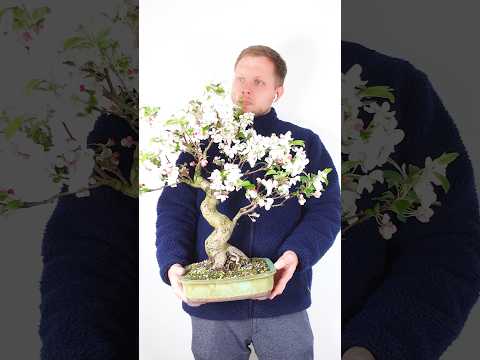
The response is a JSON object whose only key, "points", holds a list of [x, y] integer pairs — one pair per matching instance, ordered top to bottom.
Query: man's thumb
{"points": [[177, 270]]}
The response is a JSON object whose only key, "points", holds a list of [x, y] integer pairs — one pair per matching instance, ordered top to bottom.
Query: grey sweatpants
{"points": [[277, 338]]}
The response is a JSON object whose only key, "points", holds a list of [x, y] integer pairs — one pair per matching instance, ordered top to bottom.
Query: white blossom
{"points": [[297, 164], [366, 181], [269, 184], [283, 189], [251, 194], [301, 199], [266, 202], [349, 206], [423, 214], [387, 228]]}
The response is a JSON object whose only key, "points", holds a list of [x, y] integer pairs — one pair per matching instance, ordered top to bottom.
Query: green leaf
{"points": [[2, 12], [39, 13], [20, 19], [76, 42], [34, 84], [216, 88], [378, 92], [181, 122], [12, 127], [365, 134], [297, 142], [446, 158], [349, 165], [412, 169], [327, 171], [271, 172], [393, 178], [443, 181], [247, 185], [3, 196], [386, 196], [412, 197], [14, 204], [400, 205], [370, 212], [401, 218]]}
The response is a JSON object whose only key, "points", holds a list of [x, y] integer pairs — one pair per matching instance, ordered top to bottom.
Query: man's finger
{"points": [[280, 264], [178, 270], [281, 282], [279, 286], [278, 289], [194, 304]]}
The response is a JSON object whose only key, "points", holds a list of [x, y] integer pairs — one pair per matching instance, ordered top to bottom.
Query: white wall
{"points": [[441, 39], [183, 44]]}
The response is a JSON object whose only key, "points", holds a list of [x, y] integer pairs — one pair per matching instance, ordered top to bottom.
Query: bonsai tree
{"points": [[98, 78], [369, 137], [210, 145]]}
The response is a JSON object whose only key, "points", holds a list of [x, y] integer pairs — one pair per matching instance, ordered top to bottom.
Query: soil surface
{"points": [[244, 268]]}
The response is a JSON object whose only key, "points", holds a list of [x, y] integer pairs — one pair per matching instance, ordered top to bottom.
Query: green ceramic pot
{"points": [[218, 290]]}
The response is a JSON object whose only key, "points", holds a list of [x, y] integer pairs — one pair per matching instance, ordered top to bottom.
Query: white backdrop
{"points": [[182, 46]]}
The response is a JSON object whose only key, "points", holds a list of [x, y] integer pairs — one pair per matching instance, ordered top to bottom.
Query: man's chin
{"points": [[248, 108]]}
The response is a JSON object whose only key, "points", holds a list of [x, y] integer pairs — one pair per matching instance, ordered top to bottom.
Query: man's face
{"points": [[255, 84]]}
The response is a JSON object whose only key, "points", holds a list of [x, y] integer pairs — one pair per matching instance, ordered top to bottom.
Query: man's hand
{"points": [[285, 265], [174, 274], [358, 353]]}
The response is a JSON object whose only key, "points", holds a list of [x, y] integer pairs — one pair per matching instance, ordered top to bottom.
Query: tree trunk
{"points": [[216, 245]]}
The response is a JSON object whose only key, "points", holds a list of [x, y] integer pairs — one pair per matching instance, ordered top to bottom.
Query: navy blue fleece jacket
{"points": [[309, 231], [89, 282], [408, 297]]}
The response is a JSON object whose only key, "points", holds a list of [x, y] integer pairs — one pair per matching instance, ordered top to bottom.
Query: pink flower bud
{"points": [[26, 36], [127, 141]]}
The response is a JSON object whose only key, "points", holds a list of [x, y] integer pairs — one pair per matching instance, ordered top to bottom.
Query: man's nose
{"points": [[246, 90]]}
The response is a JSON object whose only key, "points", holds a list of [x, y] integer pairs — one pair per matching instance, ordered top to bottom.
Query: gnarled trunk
{"points": [[216, 245]]}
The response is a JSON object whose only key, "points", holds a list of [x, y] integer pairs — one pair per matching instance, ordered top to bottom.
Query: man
{"points": [[294, 237]]}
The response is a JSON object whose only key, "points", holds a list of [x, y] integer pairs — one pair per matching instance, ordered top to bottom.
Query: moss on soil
{"points": [[244, 268]]}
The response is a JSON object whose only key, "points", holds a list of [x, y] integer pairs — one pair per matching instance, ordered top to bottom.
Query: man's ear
{"points": [[278, 92]]}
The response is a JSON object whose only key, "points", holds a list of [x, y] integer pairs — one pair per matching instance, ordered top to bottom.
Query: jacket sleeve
{"points": [[320, 223], [176, 226], [434, 275], [89, 281]]}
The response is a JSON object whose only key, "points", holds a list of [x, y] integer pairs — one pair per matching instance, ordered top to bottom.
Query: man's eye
{"points": [[258, 82]]}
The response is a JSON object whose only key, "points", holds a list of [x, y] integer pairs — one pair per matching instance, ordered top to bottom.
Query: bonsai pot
{"points": [[230, 289]]}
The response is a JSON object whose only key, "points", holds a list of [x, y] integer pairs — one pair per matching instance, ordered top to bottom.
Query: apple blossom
{"points": [[369, 138], [366, 181], [423, 214], [387, 228]]}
